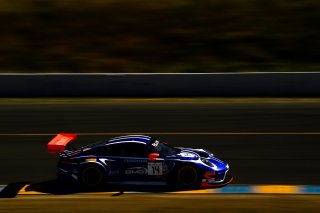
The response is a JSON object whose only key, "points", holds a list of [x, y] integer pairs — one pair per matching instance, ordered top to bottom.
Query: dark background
{"points": [[159, 36]]}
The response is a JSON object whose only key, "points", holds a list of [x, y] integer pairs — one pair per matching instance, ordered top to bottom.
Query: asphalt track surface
{"points": [[264, 143], [161, 203]]}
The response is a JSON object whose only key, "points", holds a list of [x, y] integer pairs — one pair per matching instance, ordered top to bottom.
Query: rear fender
{"points": [[98, 164]]}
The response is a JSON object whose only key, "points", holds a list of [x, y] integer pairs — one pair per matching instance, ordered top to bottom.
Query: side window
{"points": [[111, 150], [125, 150], [136, 150]]}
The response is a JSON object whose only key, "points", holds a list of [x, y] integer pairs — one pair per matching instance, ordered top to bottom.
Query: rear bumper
{"points": [[65, 175]]}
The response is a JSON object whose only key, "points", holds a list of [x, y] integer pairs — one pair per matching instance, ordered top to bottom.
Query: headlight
{"points": [[227, 166]]}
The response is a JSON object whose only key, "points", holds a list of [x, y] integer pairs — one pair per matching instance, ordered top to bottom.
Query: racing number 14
{"points": [[155, 169]]}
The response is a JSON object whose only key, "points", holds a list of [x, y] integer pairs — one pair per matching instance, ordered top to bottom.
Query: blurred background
{"points": [[159, 36]]}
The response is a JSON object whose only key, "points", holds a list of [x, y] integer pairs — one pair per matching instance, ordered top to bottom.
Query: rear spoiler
{"points": [[59, 143]]}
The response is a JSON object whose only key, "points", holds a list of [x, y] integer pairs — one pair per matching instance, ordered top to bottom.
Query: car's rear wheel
{"points": [[91, 176], [187, 176]]}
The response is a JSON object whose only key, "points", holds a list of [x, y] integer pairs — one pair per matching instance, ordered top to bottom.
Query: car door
{"points": [[135, 161], [138, 166]]}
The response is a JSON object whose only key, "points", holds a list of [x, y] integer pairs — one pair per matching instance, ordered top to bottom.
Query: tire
{"points": [[187, 176], [91, 177]]}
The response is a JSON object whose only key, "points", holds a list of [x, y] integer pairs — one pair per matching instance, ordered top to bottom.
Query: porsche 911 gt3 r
{"points": [[136, 159]]}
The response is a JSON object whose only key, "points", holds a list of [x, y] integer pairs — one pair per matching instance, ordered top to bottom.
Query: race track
{"points": [[264, 143], [161, 203]]}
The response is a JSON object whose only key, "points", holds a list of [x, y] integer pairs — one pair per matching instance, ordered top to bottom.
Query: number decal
{"points": [[155, 169]]}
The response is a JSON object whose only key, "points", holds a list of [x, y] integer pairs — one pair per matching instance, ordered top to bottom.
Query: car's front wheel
{"points": [[91, 176], [187, 176]]}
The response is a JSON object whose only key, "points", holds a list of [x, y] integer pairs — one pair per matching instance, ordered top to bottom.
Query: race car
{"points": [[136, 159]]}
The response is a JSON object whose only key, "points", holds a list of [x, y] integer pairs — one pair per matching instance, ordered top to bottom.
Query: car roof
{"points": [[144, 139]]}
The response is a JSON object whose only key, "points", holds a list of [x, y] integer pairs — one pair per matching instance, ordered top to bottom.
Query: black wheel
{"points": [[91, 176], [187, 176]]}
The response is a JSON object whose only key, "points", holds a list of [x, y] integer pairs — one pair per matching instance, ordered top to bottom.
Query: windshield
{"points": [[164, 149]]}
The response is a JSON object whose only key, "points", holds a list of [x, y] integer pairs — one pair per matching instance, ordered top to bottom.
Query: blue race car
{"points": [[137, 159]]}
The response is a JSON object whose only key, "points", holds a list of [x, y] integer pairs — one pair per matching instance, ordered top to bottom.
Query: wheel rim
{"points": [[91, 176], [187, 176]]}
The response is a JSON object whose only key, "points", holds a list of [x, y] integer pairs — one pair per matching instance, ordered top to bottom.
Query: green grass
{"points": [[159, 36]]}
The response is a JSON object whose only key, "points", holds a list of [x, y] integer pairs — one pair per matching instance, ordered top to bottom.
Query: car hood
{"points": [[190, 153], [184, 154], [196, 154]]}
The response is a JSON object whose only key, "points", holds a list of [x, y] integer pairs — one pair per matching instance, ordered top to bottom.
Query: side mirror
{"points": [[153, 156]]}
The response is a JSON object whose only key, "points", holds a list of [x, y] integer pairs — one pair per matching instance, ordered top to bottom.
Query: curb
{"points": [[268, 189]]}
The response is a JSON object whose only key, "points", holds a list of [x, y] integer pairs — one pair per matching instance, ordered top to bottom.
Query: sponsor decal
{"points": [[62, 140], [155, 143], [187, 155], [135, 160], [136, 171], [114, 172]]}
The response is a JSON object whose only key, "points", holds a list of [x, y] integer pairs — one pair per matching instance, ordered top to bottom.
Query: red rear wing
{"points": [[58, 144]]}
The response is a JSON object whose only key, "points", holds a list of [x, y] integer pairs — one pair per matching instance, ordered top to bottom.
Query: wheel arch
{"points": [[96, 164], [178, 166], [83, 176], [175, 183]]}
